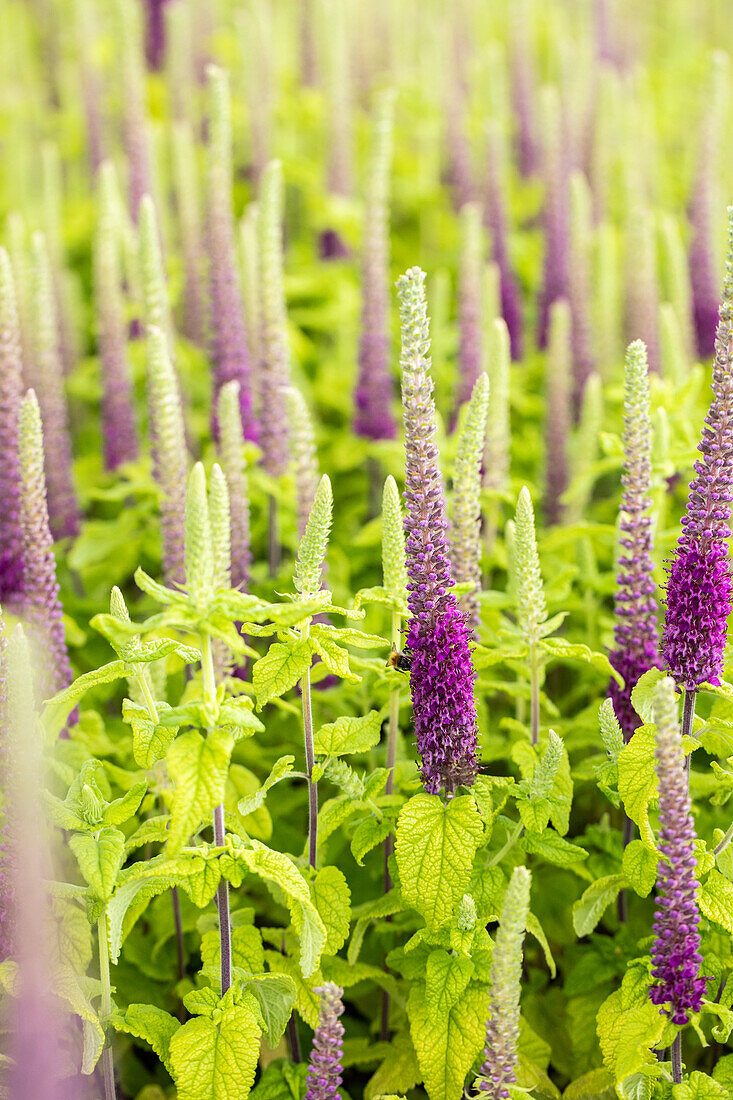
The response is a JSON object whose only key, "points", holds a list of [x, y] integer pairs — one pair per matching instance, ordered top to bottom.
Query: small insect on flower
{"points": [[400, 661]]}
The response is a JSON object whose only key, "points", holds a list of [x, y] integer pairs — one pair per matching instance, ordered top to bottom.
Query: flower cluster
{"points": [[324, 1071]]}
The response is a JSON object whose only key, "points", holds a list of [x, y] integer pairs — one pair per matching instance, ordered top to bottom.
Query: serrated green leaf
{"points": [[576, 651], [334, 656], [280, 669], [642, 694], [58, 708], [349, 734], [150, 740], [198, 768], [280, 770], [637, 781], [122, 809], [367, 835], [435, 846], [553, 848], [99, 859], [640, 867], [332, 899], [716, 900], [588, 909], [446, 978], [275, 995], [151, 1024], [627, 1035], [446, 1044], [216, 1061], [399, 1072], [596, 1085], [699, 1087]]}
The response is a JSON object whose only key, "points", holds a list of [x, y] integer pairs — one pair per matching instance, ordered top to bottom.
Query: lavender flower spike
{"points": [[135, 122], [189, 217], [495, 220], [555, 275], [469, 301], [228, 332], [275, 362], [48, 374], [11, 384], [374, 387], [558, 397], [118, 417], [231, 450], [303, 456], [169, 458], [466, 518], [699, 588], [41, 605], [635, 633], [442, 675], [676, 951], [499, 1067], [324, 1071]]}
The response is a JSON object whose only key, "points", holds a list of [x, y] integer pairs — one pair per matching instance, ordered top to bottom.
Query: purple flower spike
{"points": [[155, 33], [523, 89], [135, 121], [496, 220], [555, 277], [469, 302], [229, 337], [274, 374], [11, 388], [374, 388], [557, 396], [699, 587], [41, 604], [635, 633], [442, 674], [676, 951], [324, 1071]]}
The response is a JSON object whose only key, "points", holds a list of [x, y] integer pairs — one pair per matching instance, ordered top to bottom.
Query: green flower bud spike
{"points": [[156, 306], [498, 430], [231, 451], [302, 456], [170, 458], [466, 517], [314, 543], [199, 548], [531, 605]]}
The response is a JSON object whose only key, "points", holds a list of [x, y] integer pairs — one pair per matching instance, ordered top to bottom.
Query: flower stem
{"points": [[305, 686], [534, 695], [688, 718], [511, 841], [723, 844], [222, 893], [676, 1055], [108, 1068]]}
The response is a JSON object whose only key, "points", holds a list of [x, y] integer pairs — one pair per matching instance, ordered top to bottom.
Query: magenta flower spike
{"points": [[155, 43], [337, 81], [496, 221], [470, 276], [555, 276], [228, 332], [48, 377], [11, 388], [374, 393], [118, 416], [699, 587], [41, 600], [636, 639], [442, 674], [676, 957], [324, 1071]]}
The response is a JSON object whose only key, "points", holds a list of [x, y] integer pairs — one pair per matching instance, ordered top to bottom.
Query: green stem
{"points": [[305, 688], [534, 694], [393, 730], [511, 841], [723, 844], [222, 893], [108, 1068]]}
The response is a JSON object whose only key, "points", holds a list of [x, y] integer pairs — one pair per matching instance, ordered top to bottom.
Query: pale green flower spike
{"points": [[219, 160], [249, 264], [676, 274], [491, 303], [156, 307], [607, 308], [674, 363], [585, 449], [231, 451], [302, 455], [496, 458], [170, 461], [466, 517], [220, 527], [314, 543], [199, 544], [394, 568], [117, 605], [531, 606], [610, 730], [543, 777], [466, 915], [502, 1029]]}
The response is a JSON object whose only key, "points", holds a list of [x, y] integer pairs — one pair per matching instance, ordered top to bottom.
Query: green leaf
{"points": [[348, 635], [559, 647], [334, 657], [280, 669], [642, 694], [58, 709], [349, 734], [150, 741], [198, 769], [279, 771], [637, 781], [122, 809], [367, 835], [435, 846], [553, 848], [99, 859], [640, 867], [278, 868], [332, 899], [716, 900], [588, 909], [446, 977], [68, 986], [275, 995], [153, 1025], [627, 1034], [447, 1043], [216, 1060], [398, 1073], [281, 1080], [596, 1085], [699, 1087]]}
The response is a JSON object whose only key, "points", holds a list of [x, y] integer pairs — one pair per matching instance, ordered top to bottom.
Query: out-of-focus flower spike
{"points": [[155, 37], [256, 37], [336, 44], [180, 61], [91, 92], [524, 95], [135, 122], [604, 155], [459, 169], [52, 192], [189, 218], [496, 220], [704, 250], [18, 251], [249, 262], [555, 272], [579, 283], [678, 288], [642, 295], [491, 300], [469, 301], [156, 302], [607, 308], [230, 350], [275, 360], [675, 366], [48, 375], [11, 388], [558, 393], [374, 394], [118, 416], [498, 433], [231, 450], [584, 450], [303, 456], [170, 459], [466, 515], [220, 520], [314, 543], [199, 547], [394, 564], [699, 588], [41, 601], [531, 604], [635, 632], [442, 675], [7, 898], [676, 956], [501, 1055], [324, 1070]]}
